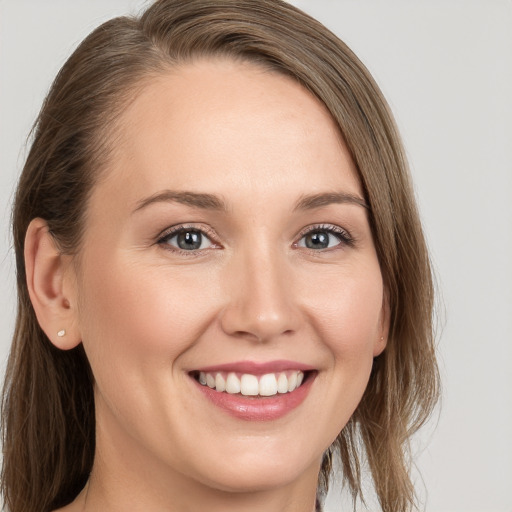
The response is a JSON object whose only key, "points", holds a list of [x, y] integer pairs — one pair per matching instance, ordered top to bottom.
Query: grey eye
{"points": [[319, 239], [189, 240]]}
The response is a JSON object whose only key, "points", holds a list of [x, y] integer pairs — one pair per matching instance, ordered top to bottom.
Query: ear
{"points": [[51, 286], [383, 329]]}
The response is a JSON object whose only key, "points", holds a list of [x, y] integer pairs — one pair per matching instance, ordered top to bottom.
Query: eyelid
{"points": [[171, 231], [344, 236], [346, 239]]}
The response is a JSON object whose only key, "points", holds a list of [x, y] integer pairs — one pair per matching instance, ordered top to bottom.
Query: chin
{"points": [[262, 471], [255, 480]]}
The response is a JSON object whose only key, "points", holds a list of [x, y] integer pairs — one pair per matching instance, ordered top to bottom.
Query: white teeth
{"points": [[210, 380], [292, 381], [220, 383], [282, 383], [232, 384], [249, 385], [252, 385], [268, 385]]}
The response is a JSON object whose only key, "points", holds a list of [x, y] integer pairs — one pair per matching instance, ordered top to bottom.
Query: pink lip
{"points": [[257, 368], [258, 409]]}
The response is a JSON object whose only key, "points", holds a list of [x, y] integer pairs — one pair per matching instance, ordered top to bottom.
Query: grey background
{"points": [[446, 68]]}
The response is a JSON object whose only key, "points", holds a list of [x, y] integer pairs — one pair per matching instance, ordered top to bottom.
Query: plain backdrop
{"points": [[446, 68]]}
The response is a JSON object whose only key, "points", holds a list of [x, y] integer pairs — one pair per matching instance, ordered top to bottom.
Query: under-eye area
{"points": [[252, 385]]}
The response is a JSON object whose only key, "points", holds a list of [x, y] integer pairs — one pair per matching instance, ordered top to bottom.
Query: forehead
{"points": [[233, 126]]}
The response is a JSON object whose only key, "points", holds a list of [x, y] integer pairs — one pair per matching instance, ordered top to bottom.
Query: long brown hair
{"points": [[48, 407]]}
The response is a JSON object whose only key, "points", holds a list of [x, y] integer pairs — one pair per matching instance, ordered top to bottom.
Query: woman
{"points": [[222, 277]]}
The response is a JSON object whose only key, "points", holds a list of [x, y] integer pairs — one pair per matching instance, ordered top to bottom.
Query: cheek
{"points": [[346, 308], [138, 315], [348, 317]]}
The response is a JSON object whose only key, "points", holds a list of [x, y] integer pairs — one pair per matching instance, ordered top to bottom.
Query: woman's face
{"points": [[225, 243]]}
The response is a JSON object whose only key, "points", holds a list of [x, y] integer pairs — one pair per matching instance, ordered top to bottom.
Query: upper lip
{"points": [[256, 367]]}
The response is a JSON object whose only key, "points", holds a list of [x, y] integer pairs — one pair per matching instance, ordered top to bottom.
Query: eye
{"points": [[323, 237], [186, 239]]}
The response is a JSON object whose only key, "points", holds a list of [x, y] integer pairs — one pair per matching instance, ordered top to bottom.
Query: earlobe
{"points": [[48, 282], [383, 332], [379, 346]]}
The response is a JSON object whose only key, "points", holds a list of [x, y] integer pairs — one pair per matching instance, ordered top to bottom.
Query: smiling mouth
{"points": [[250, 385]]}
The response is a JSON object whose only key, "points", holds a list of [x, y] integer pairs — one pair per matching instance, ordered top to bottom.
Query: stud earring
{"points": [[61, 333]]}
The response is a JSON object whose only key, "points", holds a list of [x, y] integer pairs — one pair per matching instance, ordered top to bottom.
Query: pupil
{"points": [[189, 240], [318, 240]]}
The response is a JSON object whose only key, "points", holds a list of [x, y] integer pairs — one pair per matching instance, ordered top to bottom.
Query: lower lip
{"points": [[259, 409]]}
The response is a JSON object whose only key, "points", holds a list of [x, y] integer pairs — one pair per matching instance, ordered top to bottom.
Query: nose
{"points": [[261, 303]]}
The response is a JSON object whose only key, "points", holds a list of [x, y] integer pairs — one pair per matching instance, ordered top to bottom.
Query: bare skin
{"points": [[150, 312]]}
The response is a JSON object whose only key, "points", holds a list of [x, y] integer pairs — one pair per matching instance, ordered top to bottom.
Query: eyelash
{"points": [[169, 233], [344, 237]]}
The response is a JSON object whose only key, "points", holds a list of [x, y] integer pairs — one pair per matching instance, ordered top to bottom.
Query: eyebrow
{"points": [[194, 199], [212, 202], [310, 202]]}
